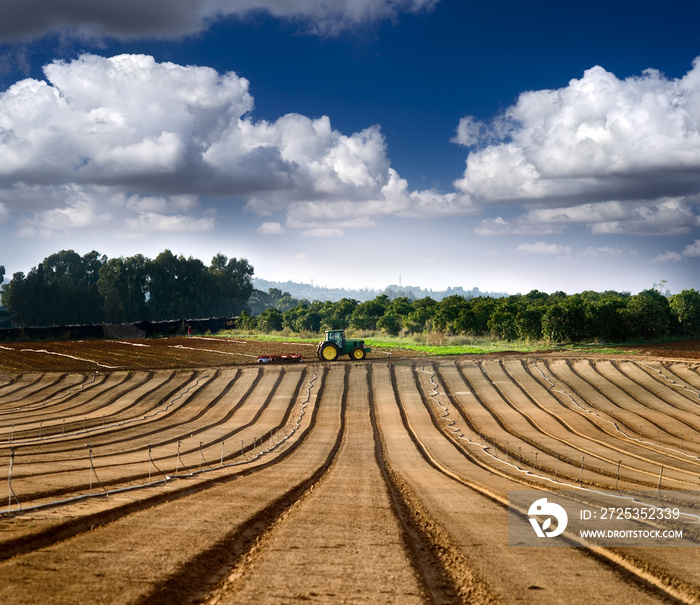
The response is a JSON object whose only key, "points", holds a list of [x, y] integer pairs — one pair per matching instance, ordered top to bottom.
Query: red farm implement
{"points": [[286, 358]]}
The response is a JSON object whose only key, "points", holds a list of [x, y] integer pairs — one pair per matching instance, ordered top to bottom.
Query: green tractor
{"points": [[334, 345]]}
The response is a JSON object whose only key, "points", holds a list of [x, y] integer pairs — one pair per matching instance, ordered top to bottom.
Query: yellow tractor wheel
{"points": [[329, 352], [358, 354]]}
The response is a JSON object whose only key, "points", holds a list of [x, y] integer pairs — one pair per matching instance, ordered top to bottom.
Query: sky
{"points": [[507, 146]]}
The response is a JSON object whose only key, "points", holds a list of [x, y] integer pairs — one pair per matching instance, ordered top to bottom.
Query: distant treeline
{"points": [[67, 288], [322, 293], [608, 316]]}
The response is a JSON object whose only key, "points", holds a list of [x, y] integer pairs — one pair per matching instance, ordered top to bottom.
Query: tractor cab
{"points": [[336, 336], [335, 344]]}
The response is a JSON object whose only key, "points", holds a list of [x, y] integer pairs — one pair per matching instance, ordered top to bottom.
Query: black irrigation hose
{"points": [[295, 427], [11, 491]]}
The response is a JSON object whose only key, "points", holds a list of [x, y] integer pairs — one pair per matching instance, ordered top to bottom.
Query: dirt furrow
{"points": [[12, 386], [49, 387], [575, 395], [662, 396], [55, 419], [27, 423], [668, 425], [213, 433], [528, 437], [605, 459], [340, 482], [477, 526], [34, 529], [341, 541], [176, 550]]}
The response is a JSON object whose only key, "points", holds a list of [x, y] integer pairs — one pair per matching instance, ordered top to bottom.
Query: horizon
{"points": [[661, 285]]}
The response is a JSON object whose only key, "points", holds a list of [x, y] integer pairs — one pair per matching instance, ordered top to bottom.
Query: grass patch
{"points": [[261, 337], [436, 344], [476, 347], [600, 349]]}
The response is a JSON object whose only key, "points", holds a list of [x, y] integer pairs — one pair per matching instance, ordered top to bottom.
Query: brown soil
{"points": [[153, 354], [194, 477]]}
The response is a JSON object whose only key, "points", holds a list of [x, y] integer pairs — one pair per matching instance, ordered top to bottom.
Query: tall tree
{"points": [[122, 284], [71, 286], [176, 286], [231, 286], [686, 309], [649, 314]]}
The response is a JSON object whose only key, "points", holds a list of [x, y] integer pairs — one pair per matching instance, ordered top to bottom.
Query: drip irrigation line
{"points": [[210, 350], [102, 365], [671, 380], [33, 406], [165, 408], [613, 423], [295, 427], [485, 448], [150, 460], [94, 472], [11, 492]]}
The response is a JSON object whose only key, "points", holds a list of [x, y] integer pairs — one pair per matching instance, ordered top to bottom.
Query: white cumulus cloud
{"points": [[153, 137], [621, 156], [270, 228], [544, 248], [692, 249]]}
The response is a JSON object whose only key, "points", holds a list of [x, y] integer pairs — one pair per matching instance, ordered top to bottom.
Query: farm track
{"points": [[380, 482]]}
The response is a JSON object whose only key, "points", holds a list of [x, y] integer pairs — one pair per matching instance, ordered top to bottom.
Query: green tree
{"points": [[122, 284], [230, 285], [71, 286], [177, 287], [62, 289], [685, 307], [531, 309], [367, 313], [447, 313], [649, 314], [337, 315], [606, 315], [303, 317], [474, 318], [419, 319], [270, 320], [565, 321], [246, 322], [502, 322], [390, 323]]}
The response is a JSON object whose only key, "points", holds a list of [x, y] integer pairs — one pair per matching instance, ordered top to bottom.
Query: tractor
{"points": [[335, 344]]}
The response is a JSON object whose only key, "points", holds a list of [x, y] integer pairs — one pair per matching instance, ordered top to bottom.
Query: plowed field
{"points": [[167, 473]]}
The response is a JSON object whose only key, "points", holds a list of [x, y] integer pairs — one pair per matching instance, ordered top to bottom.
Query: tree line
{"points": [[67, 288], [588, 316]]}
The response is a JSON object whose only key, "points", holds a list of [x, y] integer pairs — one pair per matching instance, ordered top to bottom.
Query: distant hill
{"points": [[311, 293]]}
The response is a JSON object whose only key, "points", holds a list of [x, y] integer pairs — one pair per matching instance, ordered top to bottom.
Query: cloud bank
{"points": [[129, 19], [129, 143], [78, 149], [619, 156]]}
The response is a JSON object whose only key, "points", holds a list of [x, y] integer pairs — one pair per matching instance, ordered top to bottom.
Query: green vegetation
{"points": [[67, 288], [536, 317], [434, 344]]}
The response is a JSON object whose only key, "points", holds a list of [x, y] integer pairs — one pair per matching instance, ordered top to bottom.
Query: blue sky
{"points": [[507, 146]]}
